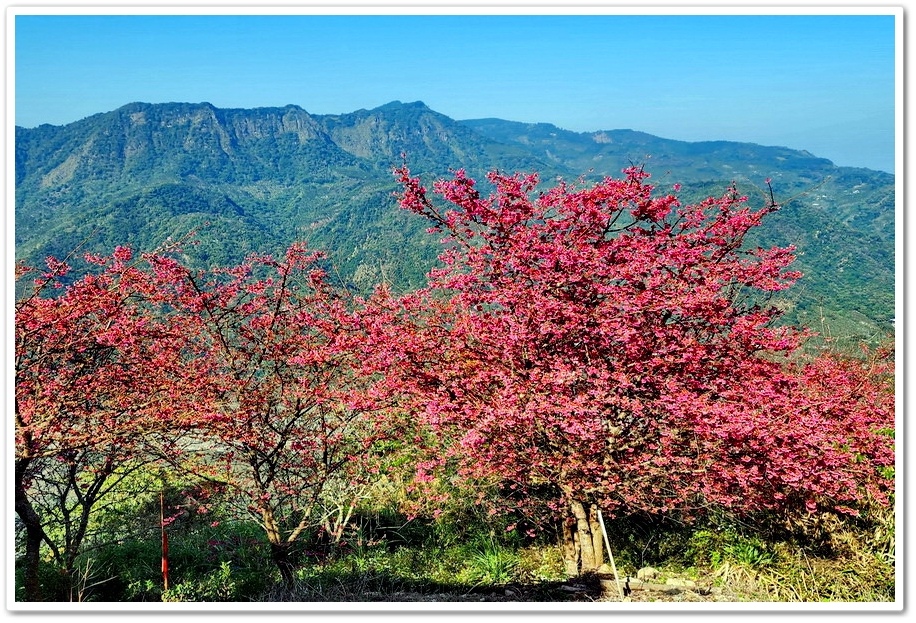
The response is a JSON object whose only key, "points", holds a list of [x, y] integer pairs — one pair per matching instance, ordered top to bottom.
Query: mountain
{"points": [[255, 180], [840, 219]]}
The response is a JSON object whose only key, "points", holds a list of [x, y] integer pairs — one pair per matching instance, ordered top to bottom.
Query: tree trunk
{"points": [[34, 534], [597, 537], [586, 544], [279, 548], [583, 548], [570, 550], [280, 554]]}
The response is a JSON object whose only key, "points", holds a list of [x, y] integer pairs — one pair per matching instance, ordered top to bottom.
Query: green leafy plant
{"points": [[750, 553], [490, 563], [218, 585]]}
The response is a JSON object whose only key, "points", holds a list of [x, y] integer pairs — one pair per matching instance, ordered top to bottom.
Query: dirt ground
{"points": [[601, 588]]}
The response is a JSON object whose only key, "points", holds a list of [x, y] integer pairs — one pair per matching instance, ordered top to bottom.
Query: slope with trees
{"points": [[264, 178]]}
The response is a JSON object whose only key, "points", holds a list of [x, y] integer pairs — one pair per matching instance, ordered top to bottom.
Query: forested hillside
{"points": [[256, 180]]}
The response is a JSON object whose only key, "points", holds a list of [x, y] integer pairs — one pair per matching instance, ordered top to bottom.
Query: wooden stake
{"points": [[165, 543], [610, 554]]}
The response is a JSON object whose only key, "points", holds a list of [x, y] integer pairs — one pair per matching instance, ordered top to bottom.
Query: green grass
{"points": [[821, 559]]}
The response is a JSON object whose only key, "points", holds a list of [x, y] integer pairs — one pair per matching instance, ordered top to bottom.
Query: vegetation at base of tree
{"points": [[388, 557]]}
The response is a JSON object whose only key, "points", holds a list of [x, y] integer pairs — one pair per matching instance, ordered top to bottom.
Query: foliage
{"points": [[608, 343], [578, 349], [98, 378], [282, 413], [491, 564], [217, 585]]}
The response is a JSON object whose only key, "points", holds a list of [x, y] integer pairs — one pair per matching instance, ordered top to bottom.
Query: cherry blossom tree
{"points": [[607, 347], [98, 375], [289, 406]]}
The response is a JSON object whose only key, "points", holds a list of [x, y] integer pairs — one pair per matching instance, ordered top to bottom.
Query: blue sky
{"points": [[824, 83]]}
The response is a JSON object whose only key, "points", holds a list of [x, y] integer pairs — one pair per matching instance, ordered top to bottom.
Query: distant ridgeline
{"points": [[255, 180]]}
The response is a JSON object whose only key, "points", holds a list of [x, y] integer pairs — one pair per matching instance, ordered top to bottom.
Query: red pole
{"points": [[165, 543]]}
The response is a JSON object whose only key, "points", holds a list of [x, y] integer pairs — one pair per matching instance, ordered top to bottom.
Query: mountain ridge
{"points": [[254, 179]]}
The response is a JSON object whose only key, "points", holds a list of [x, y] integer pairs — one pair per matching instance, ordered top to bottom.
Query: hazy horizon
{"points": [[820, 83]]}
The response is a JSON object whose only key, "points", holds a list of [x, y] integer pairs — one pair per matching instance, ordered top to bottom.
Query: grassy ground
{"points": [[818, 560], [718, 563], [535, 574]]}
